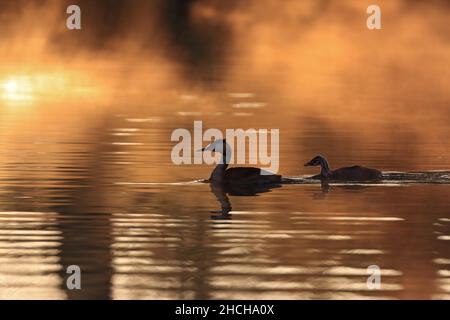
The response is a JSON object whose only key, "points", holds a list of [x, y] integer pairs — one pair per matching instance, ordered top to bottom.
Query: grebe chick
{"points": [[354, 173], [240, 175]]}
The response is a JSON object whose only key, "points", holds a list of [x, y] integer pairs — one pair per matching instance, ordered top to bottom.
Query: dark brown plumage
{"points": [[354, 173], [249, 175]]}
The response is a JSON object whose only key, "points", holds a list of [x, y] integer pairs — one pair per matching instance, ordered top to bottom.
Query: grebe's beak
{"points": [[202, 149], [308, 164]]}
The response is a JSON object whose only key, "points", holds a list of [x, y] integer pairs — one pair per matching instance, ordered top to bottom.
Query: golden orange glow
{"points": [[11, 86], [33, 87], [17, 89], [87, 178]]}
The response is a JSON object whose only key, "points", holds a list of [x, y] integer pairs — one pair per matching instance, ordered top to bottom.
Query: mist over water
{"points": [[86, 176]]}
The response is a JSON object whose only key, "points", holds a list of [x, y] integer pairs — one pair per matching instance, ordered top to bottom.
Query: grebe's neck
{"points": [[325, 167], [218, 173]]}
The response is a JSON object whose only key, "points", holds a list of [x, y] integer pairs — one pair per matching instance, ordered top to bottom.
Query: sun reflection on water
{"points": [[30, 88], [17, 89]]}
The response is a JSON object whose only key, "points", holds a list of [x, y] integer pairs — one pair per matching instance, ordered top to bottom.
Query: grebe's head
{"points": [[216, 146], [316, 161]]}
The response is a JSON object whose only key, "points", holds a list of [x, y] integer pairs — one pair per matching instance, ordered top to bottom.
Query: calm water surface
{"points": [[86, 176], [98, 190]]}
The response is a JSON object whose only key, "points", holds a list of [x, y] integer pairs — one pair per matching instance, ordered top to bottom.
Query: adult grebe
{"points": [[354, 173], [242, 175]]}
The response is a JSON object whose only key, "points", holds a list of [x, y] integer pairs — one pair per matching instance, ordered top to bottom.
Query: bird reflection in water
{"points": [[238, 181], [326, 188], [221, 191]]}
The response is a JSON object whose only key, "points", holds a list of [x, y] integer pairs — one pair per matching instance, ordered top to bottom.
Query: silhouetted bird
{"points": [[354, 173], [240, 175]]}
